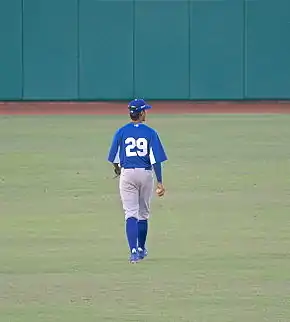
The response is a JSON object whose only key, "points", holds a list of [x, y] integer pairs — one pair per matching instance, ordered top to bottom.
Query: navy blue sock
{"points": [[132, 232], [142, 233]]}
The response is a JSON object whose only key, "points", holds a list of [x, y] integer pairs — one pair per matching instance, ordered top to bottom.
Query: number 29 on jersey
{"points": [[136, 147]]}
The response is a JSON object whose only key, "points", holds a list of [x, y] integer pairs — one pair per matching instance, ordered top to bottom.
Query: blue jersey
{"points": [[136, 145]]}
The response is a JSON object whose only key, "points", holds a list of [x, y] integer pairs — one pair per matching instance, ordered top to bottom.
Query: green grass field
{"points": [[219, 241]]}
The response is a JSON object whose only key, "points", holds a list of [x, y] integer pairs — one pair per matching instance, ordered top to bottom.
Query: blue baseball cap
{"points": [[138, 105]]}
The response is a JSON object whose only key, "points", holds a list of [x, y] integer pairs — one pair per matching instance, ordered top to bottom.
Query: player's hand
{"points": [[117, 170], [160, 190]]}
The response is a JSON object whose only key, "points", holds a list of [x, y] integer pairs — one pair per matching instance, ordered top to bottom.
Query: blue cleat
{"points": [[142, 253], [134, 258]]}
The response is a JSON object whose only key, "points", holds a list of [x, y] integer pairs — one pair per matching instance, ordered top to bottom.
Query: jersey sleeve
{"points": [[156, 151], [114, 152]]}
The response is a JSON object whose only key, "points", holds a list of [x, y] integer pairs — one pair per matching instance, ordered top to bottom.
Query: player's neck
{"points": [[137, 122]]}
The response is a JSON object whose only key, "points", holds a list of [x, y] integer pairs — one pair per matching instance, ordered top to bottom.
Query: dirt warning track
{"points": [[159, 107]]}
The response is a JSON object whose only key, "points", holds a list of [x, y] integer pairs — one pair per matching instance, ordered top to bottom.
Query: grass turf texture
{"points": [[219, 241]]}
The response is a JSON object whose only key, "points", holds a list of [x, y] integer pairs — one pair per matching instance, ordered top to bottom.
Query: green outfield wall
{"points": [[163, 49]]}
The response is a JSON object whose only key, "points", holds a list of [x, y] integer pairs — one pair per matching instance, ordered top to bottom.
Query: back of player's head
{"points": [[136, 107], [135, 116]]}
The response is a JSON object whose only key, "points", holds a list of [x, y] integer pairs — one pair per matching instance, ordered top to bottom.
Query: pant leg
{"points": [[129, 192], [145, 194]]}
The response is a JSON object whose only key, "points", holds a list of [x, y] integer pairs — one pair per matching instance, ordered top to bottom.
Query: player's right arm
{"points": [[157, 155]]}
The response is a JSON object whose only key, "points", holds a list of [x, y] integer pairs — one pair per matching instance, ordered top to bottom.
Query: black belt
{"points": [[146, 168]]}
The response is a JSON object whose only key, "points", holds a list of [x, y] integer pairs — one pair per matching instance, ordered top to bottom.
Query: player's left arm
{"points": [[114, 153]]}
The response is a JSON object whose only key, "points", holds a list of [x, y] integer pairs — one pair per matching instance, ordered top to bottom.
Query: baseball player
{"points": [[136, 151]]}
